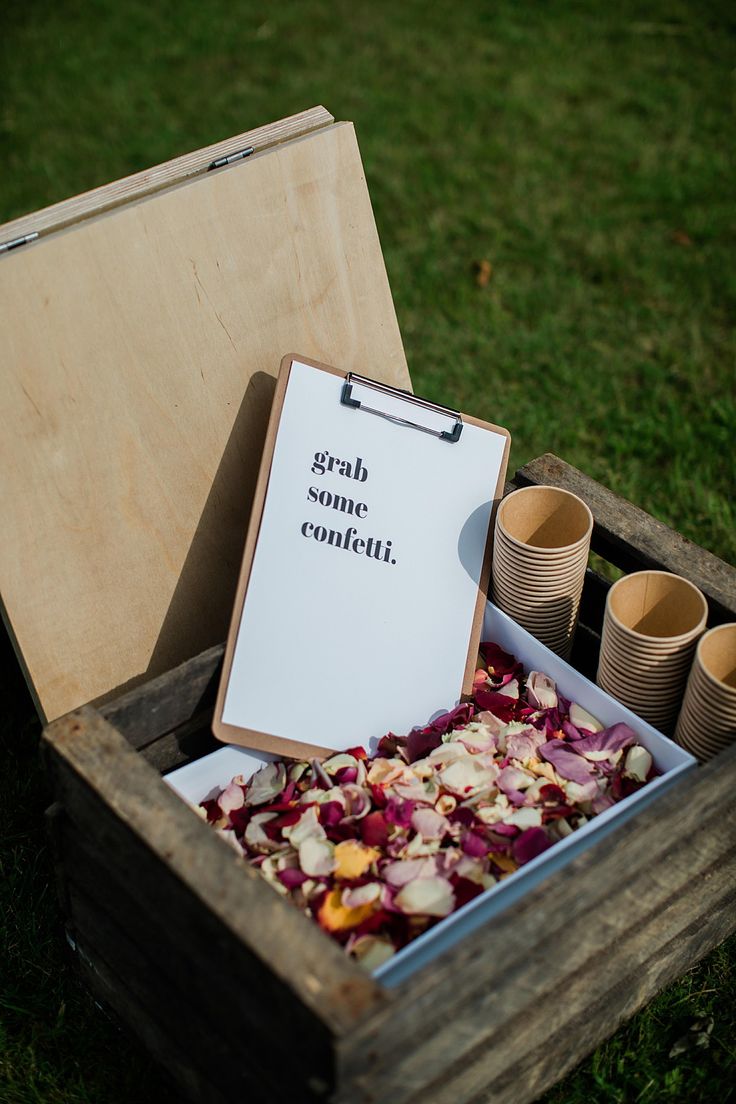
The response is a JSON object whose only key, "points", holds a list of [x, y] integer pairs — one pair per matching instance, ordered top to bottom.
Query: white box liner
{"points": [[196, 781]]}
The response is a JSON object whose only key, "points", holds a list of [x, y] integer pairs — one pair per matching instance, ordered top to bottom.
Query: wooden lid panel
{"points": [[141, 351]]}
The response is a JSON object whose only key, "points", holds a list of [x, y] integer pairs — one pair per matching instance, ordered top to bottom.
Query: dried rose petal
{"points": [[497, 660], [541, 690], [582, 719], [604, 743], [566, 761], [638, 763], [466, 776], [266, 784], [231, 798], [430, 824], [308, 826], [529, 844], [317, 857], [353, 858], [403, 871], [356, 897], [426, 897], [334, 916], [371, 951]]}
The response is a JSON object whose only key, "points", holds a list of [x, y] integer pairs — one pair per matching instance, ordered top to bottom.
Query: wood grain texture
{"points": [[141, 184], [140, 355], [634, 540], [110, 794], [647, 895], [138, 1018], [244, 1054]]}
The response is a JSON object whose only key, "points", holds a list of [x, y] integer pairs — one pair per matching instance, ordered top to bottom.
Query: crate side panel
{"points": [[118, 801], [640, 880]]}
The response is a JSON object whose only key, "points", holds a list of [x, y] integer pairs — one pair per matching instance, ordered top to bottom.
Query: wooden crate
{"points": [[235, 992]]}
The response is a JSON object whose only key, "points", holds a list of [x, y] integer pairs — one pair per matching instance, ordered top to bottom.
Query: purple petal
{"points": [[609, 740], [524, 745], [566, 761], [399, 812], [531, 842], [474, 845]]}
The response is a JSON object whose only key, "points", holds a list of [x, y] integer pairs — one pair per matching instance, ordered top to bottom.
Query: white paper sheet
{"points": [[345, 630]]}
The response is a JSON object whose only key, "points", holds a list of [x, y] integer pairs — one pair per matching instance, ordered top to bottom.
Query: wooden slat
{"points": [[145, 183], [138, 366], [633, 540], [167, 702], [108, 791], [651, 887], [114, 994], [214, 1034], [550, 1055]]}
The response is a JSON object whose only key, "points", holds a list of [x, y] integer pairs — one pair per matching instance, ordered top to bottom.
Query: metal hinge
{"points": [[231, 158], [16, 243]]}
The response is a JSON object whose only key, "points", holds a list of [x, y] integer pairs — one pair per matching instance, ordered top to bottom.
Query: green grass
{"points": [[585, 151]]}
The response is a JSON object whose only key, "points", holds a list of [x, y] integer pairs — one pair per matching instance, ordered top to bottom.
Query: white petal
{"points": [[638, 762], [316, 857], [426, 897]]}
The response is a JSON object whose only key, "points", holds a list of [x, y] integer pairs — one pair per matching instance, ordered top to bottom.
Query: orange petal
{"points": [[353, 858], [334, 916]]}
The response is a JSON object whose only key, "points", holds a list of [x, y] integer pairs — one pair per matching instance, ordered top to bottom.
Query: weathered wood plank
{"points": [[633, 540], [167, 702], [112, 794], [145, 903], [574, 922], [135, 1016], [214, 1033], [549, 1041]]}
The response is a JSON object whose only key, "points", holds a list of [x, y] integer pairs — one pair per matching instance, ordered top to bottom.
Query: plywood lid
{"points": [[141, 345]]}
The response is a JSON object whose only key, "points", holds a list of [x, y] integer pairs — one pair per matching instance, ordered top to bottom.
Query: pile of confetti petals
{"points": [[377, 850]]}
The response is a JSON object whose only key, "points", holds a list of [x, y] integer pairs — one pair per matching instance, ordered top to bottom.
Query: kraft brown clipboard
{"points": [[272, 742]]}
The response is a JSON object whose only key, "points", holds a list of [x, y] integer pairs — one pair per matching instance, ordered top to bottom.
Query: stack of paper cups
{"points": [[540, 554], [652, 623], [707, 722]]}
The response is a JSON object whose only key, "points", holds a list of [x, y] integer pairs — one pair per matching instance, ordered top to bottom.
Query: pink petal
{"points": [[541, 690], [231, 798], [429, 824], [399, 873]]}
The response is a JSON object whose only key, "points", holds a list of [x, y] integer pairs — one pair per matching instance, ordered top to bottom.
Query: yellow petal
{"points": [[353, 858], [334, 916]]}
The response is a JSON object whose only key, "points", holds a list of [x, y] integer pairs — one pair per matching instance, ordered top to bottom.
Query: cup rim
{"points": [[535, 488], [692, 633], [707, 636]]}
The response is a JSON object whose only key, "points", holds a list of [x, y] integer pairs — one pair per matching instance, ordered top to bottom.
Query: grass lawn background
{"points": [[586, 152]]}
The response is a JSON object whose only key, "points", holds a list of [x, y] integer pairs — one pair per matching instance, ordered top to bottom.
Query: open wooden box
{"points": [[230, 988], [235, 992]]}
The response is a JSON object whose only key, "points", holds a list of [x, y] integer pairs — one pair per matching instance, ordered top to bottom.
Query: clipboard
{"points": [[322, 646]]}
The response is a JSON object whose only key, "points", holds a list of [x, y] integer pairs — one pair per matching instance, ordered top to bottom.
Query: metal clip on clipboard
{"points": [[347, 399]]}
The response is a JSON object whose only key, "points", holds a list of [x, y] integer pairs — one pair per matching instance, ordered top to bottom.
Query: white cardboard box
{"points": [[195, 781]]}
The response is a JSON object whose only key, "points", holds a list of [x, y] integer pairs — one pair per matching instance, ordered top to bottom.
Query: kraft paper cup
{"points": [[544, 521], [541, 543], [651, 626], [707, 721]]}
